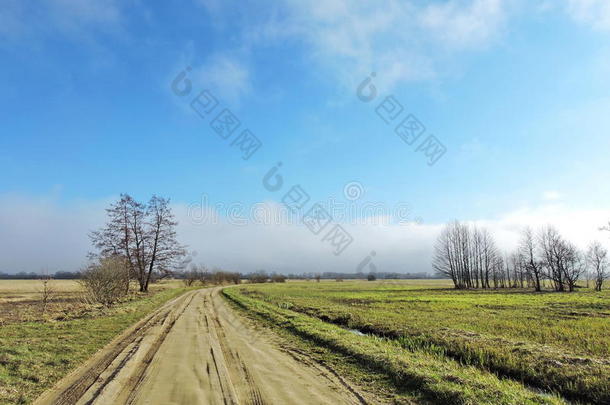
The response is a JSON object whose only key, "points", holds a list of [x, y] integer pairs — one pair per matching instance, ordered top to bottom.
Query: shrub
{"points": [[191, 276], [204, 276], [222, 277], [258, 277], [278, 278], [106, 281], [46, 292]]}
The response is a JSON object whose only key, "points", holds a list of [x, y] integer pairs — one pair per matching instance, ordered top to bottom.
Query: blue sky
{"points": [[517, 91]]}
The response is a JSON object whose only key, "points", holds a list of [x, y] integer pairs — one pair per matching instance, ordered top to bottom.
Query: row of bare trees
{"points": [[470, 257], [201, 274], [262, 276]]}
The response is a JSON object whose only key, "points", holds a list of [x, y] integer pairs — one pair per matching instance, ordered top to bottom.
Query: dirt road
{"points": [[196, 350]]}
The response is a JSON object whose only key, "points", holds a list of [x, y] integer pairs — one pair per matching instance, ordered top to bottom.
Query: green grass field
{"points": [[558, 343]]}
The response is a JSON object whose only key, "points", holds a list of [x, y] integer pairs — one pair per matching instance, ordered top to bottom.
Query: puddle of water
{"points": [[357, 332]]}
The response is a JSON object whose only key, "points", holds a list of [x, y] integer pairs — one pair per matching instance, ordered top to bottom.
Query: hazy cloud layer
{"points": [[40, 232]]}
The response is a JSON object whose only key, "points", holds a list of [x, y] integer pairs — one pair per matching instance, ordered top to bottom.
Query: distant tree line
{"points": [[469, 256], [201, 274], [59, 275], [213, 275], [262, 276], [364, 276]]}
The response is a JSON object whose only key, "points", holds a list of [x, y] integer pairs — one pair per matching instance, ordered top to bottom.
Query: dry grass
{"points": [[11, 290], [20, 300], [38, 349], [35, 355]]}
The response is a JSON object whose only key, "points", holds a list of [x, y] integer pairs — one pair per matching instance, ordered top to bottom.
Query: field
{"points": [[20, 300], [415, 341], [436, 343], [38, 347]]}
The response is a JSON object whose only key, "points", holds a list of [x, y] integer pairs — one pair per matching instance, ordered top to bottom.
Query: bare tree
{"points": [[144, 235], [118, 237], [463, 243], [528, 251], [162, 252], [452, 254], [467, 255], [553, 255], [490, 256], [477, 257], [597, 259], [444, 262], [563, 262], [574, 265], [513, 270], [499, 273], [192, 275], [220, 276], [259, 276], [46, 292]]}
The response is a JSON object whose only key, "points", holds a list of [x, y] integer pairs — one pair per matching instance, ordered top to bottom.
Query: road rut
{"points": [[196, 350]]}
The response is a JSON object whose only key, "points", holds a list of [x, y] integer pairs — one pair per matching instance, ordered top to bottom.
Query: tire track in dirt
{"points": [[195, 350], [302, 356], [236, 366], [72, 388], [128, 392]]}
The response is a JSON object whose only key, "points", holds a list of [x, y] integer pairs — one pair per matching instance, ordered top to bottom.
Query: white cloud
{"points": [[595, 13], [464, 25], [402, 41], [228, 77], [551, 195], [579, 225], [42, 232]]}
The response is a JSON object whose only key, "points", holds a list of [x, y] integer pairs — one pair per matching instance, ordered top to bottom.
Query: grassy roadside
{"points": [[556, 342], [35, 355], [426, 375], [371, 382]]}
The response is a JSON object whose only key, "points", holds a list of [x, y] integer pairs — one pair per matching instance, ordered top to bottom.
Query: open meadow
{"points": [[24, 300], [457, 346]]}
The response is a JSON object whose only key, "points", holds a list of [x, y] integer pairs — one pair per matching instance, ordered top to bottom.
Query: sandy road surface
{"points": [[196, 350]]}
